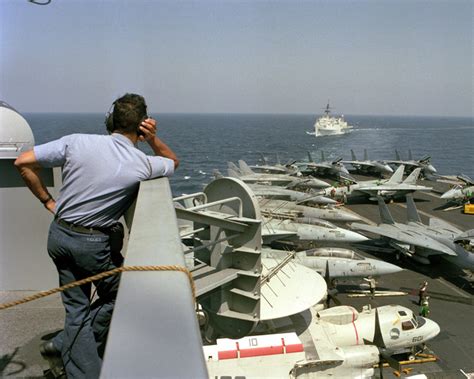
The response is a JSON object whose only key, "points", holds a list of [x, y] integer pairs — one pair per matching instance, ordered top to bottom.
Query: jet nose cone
{"points": [[388, 168], [431, 169], [447, 195], [324, 200], [349, 217], [351, 236], [384, 268]]}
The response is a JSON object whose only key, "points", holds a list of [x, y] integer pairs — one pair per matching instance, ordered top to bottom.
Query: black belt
{"points": [[79, 228]]}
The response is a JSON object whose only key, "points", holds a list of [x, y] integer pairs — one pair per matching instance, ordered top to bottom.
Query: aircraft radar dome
{"points": [[15, 133]]}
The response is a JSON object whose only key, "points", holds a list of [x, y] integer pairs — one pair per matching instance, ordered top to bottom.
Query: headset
{"points": [[109, 120]]}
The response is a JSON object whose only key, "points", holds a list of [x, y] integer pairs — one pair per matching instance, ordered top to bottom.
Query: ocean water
{"points": [[206, 142]]}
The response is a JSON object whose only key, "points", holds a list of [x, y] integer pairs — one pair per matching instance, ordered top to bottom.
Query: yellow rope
{"points": [[102, 275]]}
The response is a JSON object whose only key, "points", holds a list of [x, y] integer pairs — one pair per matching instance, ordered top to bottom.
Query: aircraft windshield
{"points": [[421, 321], [407, 325]]}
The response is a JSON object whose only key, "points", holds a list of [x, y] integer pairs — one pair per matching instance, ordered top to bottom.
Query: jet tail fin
{"points": [[353, 155], [397, 155], [366, 156], [264, 158], [310, 158], [323, 158], [278, 159], [232, 166], [244, 168], [232, 173], [217, 174], [397, 176], [413, 177], [412, 212], [385, 214]]}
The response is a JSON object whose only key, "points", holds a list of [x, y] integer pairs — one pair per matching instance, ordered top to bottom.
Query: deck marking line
{"points": [[447, 284]]}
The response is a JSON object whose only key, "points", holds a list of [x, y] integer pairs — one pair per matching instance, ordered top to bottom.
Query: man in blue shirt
{"points": [[101, 176]]}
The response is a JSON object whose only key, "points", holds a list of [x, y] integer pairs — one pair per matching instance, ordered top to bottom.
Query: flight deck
{"points": [[450, 289]]}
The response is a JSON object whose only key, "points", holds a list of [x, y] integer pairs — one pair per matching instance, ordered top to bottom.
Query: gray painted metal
{"points": [[15, 133], [24, 221], [227, 251], [24, 260], [154, 326]]}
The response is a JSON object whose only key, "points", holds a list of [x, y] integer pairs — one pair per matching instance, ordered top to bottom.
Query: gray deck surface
{"points": [[24, 327]]}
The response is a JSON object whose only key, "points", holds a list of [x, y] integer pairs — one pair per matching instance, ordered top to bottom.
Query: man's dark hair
{"points": [[129, 111]]}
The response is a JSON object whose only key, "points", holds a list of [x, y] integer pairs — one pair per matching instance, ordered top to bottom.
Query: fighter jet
{"points": [[367, 166], [288, 168], [334, 168], [427, 169], [245, 173], [387, 188], [275, 192], [460, 193], [293, 210], [318, 231], [420, 241], [336, 263], [337, 342]]}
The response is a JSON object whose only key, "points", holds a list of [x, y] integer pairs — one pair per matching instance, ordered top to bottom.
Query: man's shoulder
{"points": [[86, 136]]}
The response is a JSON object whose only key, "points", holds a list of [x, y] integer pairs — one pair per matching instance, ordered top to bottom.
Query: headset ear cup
{"points": [[109, 119], [109, 123]]}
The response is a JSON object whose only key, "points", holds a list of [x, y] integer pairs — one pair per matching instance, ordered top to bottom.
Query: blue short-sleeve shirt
{"points": [[100, 174]]}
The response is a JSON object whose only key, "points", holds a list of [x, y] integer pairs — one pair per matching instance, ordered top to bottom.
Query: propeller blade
{"points": [[327, 277], [378, 338], [392, 362]]}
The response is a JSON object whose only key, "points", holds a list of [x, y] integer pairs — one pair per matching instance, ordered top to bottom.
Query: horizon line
{"points": [[262, 114]]}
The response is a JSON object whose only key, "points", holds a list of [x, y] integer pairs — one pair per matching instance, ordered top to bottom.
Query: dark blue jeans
{"points": [[77, 256]]}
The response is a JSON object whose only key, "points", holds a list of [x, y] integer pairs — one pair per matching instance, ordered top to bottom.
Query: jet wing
{"points": [[358, 163], [405, 163], [319, 166], [466, 179], [399, 187], [436, 223], [270, 234], [467, 235], [405, 236]]}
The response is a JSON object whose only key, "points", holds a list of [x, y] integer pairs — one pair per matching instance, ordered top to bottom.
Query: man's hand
{"points": [[148, 128], [50, 205]]}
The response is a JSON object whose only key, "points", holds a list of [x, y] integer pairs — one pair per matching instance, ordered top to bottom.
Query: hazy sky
{"points": [[368, 57]]}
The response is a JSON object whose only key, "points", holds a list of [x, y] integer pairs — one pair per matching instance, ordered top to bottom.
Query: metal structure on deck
{"points": [[226, 248]]}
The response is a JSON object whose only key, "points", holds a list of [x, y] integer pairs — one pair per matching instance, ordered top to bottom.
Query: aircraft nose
{"points": [[388, 168], [431, 168], [447, 195], [349, 217], [351, 236], [384, 268], [432, 329]]}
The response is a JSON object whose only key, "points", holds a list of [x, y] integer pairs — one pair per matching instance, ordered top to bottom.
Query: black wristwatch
{"points": [[47, 199]]}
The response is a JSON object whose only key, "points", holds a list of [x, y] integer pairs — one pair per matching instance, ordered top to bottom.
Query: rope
{"points": [[102, 275]]}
